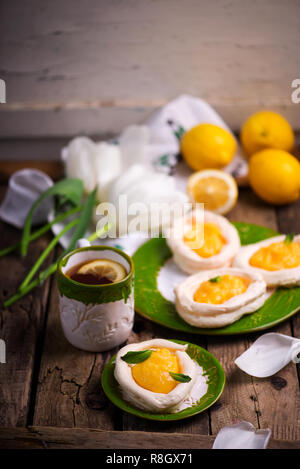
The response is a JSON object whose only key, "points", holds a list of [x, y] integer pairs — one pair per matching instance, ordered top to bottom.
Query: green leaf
{"points": [[70, 189], [84, 219], [42, 230], [289, 238], [45, 253], [42, 276], [215, 279], [137, 357], [180, 377]]}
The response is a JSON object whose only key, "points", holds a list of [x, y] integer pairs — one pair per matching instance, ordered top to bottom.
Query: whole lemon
{"points": [[266, 129], [207, 146], [275, 176]]}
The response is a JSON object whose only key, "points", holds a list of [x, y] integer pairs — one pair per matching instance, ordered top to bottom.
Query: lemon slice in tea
{"points": [[104, 268]]}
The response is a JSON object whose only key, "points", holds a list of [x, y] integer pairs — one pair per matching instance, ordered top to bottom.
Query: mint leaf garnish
{"points": [[289, 238], [215, 279], [136, 357], [180, 377]]}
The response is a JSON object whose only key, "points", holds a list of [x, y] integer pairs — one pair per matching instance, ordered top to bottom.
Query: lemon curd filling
{"points": [[213, 241], [277, 256], [221, 290], [153, 373]]}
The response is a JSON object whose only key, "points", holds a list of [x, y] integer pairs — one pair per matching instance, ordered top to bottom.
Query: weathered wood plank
{"points": [[114, 62], [112, 120], [38, 150], [7, 168], [288, 220], [21, 327], [69, 391], [281, 392], [277, 399], [77, 400], [238, 401], [272, 402], [70, 408], [38, 437]]}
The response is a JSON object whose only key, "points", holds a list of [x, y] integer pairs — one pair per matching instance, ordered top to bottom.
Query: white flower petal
{"points": [[79, 161], [108, 166], [144, 186], [24, 187], [267, 355], [242, 435]]}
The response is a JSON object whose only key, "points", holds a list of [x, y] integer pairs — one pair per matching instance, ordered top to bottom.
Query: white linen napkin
{"points": [[169, 123], [24, 188], [268, 354], [242, 435]]}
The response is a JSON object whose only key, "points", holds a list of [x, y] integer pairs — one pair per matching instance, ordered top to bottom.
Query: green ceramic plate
{"points": [[149, 302], [211, 368]]}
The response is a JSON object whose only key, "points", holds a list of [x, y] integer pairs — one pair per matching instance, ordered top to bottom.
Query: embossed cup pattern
{"points": [[95, 326]]}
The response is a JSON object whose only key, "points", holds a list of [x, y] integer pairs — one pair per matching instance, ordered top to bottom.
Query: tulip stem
{"points": [[42, 230], [46, 253], [49, 271]]}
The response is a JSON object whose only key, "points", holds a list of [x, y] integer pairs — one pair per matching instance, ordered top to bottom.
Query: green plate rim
{"points": [[257, 233], [111, 388]]}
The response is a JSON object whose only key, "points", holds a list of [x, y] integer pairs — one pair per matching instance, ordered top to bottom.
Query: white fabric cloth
{"points": [[167, 125], [24, 188], [268, 354], [242, 435]]}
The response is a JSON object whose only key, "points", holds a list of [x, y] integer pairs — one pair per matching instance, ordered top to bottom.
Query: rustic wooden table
{"points": [[50, 393]]}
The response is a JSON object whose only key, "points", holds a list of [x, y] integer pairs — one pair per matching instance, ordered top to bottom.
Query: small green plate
{"points": [[149, 302], [211, 369]]}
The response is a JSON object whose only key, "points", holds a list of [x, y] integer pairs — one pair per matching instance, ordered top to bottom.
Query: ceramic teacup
{"points": [[96, 317]]}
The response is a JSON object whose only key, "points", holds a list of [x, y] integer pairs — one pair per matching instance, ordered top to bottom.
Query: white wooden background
{"points": [[94, 66]]}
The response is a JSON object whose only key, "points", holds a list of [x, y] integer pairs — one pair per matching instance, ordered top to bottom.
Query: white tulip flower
{"points": [[95, 163], [121, 169]]}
